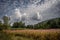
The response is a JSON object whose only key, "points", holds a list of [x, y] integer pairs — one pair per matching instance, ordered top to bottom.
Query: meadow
{"points": [[46, 30], [30, 34]]}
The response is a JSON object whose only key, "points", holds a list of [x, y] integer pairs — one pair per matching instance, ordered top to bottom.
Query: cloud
{"points": [[30, 11]]}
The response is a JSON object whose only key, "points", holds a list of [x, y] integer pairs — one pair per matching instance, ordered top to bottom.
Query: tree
{"points": [[6, 20], [0, 22], [6, 24], [21, 24], [0, 25], [15, 25], [18, 25]]}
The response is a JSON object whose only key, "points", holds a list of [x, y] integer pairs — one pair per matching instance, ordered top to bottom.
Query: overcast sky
{"points": [[30, 11]]}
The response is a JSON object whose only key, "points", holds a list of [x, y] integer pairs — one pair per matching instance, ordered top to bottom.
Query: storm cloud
{"points": [[30, 11]]}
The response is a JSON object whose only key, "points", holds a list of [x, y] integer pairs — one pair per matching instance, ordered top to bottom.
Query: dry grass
{"points": [[47, 34]]}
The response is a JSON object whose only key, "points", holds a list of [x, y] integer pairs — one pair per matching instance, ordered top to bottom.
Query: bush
{"points": [[5, 36]]}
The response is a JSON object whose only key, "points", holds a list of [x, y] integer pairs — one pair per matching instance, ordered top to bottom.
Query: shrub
{"points": [[5, 36]]}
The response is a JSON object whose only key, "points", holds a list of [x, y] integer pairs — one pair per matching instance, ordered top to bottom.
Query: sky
{"points": [[30, 11]]}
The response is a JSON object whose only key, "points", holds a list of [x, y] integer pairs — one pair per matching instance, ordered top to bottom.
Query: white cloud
{"points": [[33, 8], [41, 10]]}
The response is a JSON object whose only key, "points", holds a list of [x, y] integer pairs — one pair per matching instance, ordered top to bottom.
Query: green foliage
{"points": [[6, 20], [53, 23], [5, 24], [48, 24], [0, 25], [18, 25], [29, 26], [5, 36], [22, 38]]}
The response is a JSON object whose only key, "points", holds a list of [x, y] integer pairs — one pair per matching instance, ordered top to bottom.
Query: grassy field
{"points": [[30, 34]]}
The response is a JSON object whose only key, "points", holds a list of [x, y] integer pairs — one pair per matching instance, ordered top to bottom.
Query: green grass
{"points": [[17, 28], [22, 38]]}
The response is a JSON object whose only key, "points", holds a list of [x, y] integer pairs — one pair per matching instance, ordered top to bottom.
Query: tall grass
{"points": [[37, 34], [6, 36]]}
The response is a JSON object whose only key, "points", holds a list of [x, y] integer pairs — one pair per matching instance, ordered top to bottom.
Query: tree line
{"points": [[48, 24]]}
